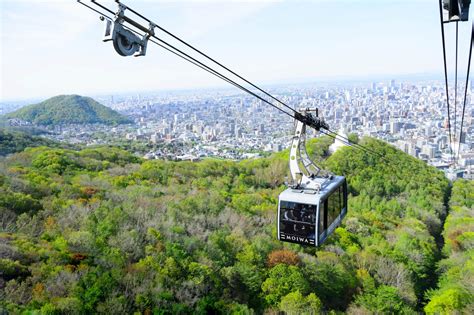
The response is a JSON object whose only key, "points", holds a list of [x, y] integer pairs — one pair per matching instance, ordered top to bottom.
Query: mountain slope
{"points": [[68, 109], [98, 229]]}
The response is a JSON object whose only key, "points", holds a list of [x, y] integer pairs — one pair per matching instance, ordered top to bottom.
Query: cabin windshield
{"points": [[297, 222]]}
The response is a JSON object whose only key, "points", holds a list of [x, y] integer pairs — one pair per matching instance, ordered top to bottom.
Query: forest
{"points": [[99, 229]]}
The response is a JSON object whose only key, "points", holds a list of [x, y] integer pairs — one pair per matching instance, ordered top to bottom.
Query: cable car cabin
{"points": [[308, 217]]}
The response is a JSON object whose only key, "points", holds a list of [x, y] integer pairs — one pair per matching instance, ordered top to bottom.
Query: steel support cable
{"points": [[96, 11], [208, 57], [196, 62], [216, 62], [203, 66], [210, 70], [213, 72], [222, 76], [445, 76], [465, 88], [456, 89], [344, 140], [347, 141], [361, 147], [393, 165]]}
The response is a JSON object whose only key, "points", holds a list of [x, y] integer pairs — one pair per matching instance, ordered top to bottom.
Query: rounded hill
{"points": [[68, 109]]}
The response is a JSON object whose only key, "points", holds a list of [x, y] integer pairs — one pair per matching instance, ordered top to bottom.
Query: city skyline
{"points": [[55, 47], [197, 124]]}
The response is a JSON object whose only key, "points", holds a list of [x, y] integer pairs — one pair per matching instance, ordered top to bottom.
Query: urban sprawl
{"points": [[223, 123]]}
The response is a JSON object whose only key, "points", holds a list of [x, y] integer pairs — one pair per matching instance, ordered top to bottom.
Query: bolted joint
{"points": [[311, 121]]}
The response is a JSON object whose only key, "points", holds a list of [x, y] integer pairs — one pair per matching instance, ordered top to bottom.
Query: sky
{"points": [[55, 47]]}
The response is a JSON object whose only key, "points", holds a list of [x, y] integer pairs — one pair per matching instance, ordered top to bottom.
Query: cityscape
{"points": [[191, 125]]}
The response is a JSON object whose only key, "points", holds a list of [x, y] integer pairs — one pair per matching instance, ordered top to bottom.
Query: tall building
{"points": [[395, 127], [238, 133], [429, 150]]}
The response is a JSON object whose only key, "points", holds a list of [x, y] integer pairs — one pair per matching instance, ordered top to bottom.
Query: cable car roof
{"points": [[312, 197]]}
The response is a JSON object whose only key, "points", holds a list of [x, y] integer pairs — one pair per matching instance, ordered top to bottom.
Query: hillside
{"points": [[68, 109], [16, 141], [97, 230], [455, 292]]}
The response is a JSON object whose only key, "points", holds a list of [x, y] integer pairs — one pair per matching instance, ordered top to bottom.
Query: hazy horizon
{"points": [[223, 86]]}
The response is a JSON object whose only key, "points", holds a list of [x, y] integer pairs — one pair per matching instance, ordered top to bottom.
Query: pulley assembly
{"points": [[455, 10], [125, 41]]}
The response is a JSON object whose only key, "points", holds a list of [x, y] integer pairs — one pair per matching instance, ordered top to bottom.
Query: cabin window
{"points": [[344, 195], [334, 205], [331, 208], [323, 218], [298, 219]]}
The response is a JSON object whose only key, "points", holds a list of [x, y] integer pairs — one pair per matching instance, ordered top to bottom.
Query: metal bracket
{"points": [[145, 38], [312, 176]]}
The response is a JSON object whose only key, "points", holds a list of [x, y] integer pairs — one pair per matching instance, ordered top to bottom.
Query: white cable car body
{"points": [[316, 202]]}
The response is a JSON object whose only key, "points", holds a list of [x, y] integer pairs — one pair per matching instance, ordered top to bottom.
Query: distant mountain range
{"points": [[68, 109]]}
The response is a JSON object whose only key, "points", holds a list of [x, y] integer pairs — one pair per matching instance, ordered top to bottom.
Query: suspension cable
{"points": [[96, 11], [165, 45], [210, 58], [203, 67], [208, 69], [446, 76], [465, 88], [456, 90], [349, 143], [359, 146], [391, 164]]}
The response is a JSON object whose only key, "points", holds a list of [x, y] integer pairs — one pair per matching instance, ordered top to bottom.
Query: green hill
{"points": [[68, 109], [99, 229]]}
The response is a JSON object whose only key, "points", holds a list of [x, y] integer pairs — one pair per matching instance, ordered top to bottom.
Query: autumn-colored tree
{"points": [[282, 256]]}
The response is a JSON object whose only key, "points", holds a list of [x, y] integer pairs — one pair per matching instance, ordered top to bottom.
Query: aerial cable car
{"points": [[315, 203]]}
